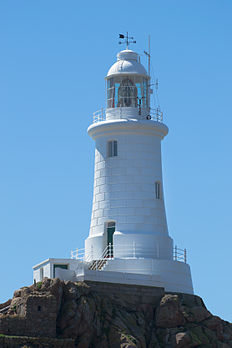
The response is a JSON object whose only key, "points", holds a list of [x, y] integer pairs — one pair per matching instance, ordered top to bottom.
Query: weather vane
{"points": [[126, 39]]}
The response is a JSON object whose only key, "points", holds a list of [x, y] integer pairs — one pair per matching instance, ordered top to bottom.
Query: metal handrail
{"points": [[99, 115], [154, 115], [109, 251], [179, 254]]}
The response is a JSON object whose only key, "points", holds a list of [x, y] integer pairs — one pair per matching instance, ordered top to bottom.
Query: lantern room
{"points": [[127, 84]]}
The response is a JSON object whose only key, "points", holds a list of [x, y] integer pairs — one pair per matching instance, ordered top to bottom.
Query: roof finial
{"points": [[126, 39]]}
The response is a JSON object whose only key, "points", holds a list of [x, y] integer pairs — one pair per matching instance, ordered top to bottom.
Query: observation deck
{"points": [[127, 113]]}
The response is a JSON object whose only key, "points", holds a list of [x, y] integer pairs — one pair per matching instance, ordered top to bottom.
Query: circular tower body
{"points": [[128, 222]]}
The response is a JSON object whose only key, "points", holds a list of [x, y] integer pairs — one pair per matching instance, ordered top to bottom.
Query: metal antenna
{"points": [[126, 39], [148, 54]]}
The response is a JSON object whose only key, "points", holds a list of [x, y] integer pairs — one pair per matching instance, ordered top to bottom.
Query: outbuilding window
{"points": [[112, 148], [157, 190], [41, 271]]}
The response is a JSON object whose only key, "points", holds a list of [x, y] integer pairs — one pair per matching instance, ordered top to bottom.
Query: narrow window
{"points": [[112, 148], [157, 190], [41, 273]]}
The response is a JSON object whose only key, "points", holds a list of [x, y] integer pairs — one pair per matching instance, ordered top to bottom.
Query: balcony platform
{"points": [[173, 276]]}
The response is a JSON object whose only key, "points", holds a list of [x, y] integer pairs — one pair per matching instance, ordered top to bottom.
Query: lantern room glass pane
{"points": [[127, 91], [110, 93], [145, 93], [127, 94]]}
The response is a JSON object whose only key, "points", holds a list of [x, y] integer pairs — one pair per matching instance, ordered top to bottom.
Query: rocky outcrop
{"points": [[100, 315]]}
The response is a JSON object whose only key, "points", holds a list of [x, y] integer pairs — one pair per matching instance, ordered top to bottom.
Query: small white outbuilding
{"points": [[128, 240]]}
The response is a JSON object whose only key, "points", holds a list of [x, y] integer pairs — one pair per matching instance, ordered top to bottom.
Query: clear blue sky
{"points": [[54, 56]]}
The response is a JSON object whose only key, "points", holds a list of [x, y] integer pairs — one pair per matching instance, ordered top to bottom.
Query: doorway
{"points": [[110, 229]]}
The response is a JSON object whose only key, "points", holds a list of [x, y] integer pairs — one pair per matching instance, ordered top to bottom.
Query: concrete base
{"points": [[173, 276], [120, 278]]}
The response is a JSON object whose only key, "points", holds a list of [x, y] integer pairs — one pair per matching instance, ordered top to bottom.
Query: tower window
{"points": [[112, 148], [157, 190]]}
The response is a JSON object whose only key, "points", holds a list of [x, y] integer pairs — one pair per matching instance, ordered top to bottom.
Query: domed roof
{"points": [[127, 63]]}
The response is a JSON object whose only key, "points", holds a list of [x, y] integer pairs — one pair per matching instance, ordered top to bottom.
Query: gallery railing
{"points": [[153, 114], [125, 251]]}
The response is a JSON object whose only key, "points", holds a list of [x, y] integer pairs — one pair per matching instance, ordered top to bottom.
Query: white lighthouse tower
{"points": [[128, 224], [128, 241]]}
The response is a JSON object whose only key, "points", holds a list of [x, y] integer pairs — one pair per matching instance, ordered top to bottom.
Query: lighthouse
{"points": [[128, 222], [128, 239]]}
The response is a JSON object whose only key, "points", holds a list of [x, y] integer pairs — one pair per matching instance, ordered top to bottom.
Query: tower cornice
{"points": [[132, 126]]}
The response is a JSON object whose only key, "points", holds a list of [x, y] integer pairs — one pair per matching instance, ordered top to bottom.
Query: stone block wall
{"points": [[135, 293], [41, 316], [34, 317], [12, 325], [36, 342]]}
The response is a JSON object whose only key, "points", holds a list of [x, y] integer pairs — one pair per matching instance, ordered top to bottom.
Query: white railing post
{"points": [[98, 115], [102, 116]]}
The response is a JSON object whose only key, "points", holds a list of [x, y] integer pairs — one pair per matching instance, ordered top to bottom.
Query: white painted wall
{"points": [[128, 113], [124, 187], [124, 192], [48, 267], [175, 275]]}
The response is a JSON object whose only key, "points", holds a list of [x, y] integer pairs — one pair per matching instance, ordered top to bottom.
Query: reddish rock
{"points": [[169, 314], [197, 314], [106, 315], [215, 324]]}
